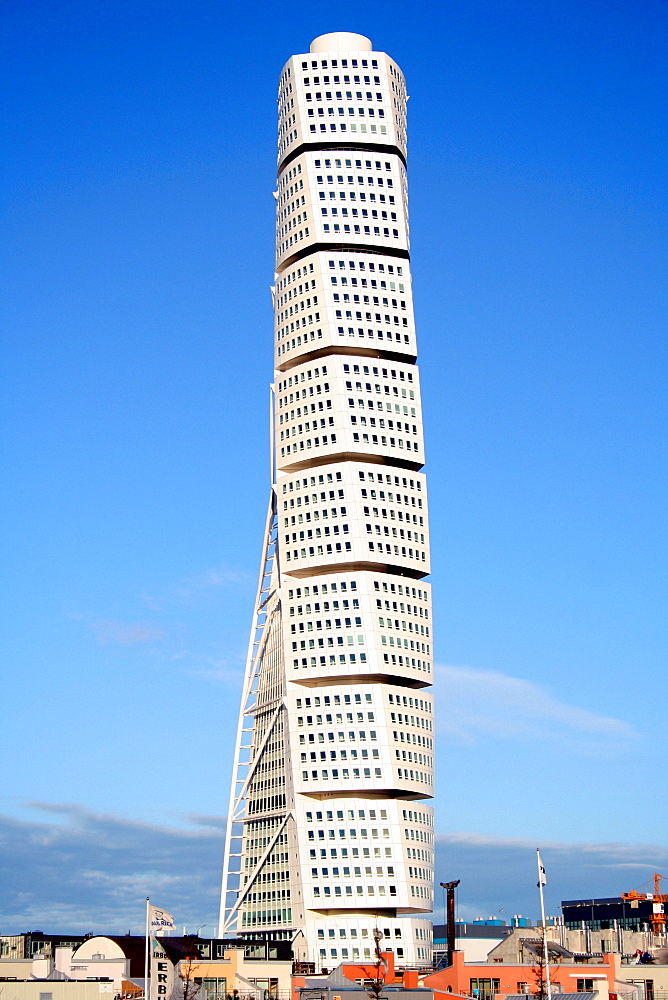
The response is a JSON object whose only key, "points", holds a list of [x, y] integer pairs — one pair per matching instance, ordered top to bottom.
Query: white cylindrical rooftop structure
{"points": [[341, 41]]}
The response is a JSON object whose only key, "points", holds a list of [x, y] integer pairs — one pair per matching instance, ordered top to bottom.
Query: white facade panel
{"points": [[333, 99], [352, 198], [358, 303], [347, 405], [353, 513], [366, 624], [330, 831]]}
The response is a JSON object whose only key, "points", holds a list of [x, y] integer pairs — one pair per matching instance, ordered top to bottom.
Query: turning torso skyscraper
{"points": [[330, 835]]}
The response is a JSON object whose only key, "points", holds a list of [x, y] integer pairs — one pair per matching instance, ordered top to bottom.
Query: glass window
{"points": [[215, 988]]}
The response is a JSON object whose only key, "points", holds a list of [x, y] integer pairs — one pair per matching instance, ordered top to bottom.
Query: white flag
{"points": [[542, 877], [159, 921]]}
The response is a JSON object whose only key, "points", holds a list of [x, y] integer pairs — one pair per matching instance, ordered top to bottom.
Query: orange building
{"points": [[403, 978], [487, 980]]}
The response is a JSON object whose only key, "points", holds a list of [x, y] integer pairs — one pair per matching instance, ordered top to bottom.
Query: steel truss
{"points": [[245, 760]]}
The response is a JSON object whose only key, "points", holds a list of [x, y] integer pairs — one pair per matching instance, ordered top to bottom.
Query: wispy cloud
{"points": [[210, 580], [150, 601], [110, 630], [221, 672], [476, 704], [208, 822], [612, 849], [74, 869], [90, 872], [499, 873], [123, 886]]}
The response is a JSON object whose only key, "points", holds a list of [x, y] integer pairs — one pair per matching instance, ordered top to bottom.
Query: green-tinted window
{"points": [[215, 989]]}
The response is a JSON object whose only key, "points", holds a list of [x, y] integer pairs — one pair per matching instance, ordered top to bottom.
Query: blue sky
{"points": [[138, 164]]}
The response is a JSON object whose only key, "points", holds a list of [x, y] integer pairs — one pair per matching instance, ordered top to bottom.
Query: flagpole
{"points": [[546, 960], [146, 986]]}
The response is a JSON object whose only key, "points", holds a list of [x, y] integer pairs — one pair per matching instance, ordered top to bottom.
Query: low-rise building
{"points": [[608, 913], [475, 939], [36, 944], [580, 944], [97, 958], [222, 967], [215, 969], [492, 979], [354, 981], [647, 981], [56, 990]]}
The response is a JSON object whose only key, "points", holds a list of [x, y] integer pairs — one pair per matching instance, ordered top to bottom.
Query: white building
{"points": [[331, 832]]}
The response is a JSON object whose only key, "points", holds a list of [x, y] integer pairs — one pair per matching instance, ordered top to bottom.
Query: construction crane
{"points": [[658, 917]]}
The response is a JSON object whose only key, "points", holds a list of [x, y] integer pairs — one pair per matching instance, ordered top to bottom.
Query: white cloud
{"points": [[220, 578], [208, 580], [150, 601], [110, 630], [221, 672], [478, 704], [612, 850], [74, 869], [90, 872], [499, 873], [123, 887]]}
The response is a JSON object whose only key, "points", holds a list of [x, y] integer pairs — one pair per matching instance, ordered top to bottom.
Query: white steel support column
{"points": [[330, 837]]}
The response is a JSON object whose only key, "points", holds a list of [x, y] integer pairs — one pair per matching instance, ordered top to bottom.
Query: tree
{"points": [[540, 973], [377, 985], [189, 987]]}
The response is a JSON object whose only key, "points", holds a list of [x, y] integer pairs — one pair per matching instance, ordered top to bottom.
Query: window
{"points": [[269, 986], [645, 988], [214, 989], [484, 989]]}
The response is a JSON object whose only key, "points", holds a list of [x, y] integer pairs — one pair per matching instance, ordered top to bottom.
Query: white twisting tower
{"points": [[330, 836]]}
